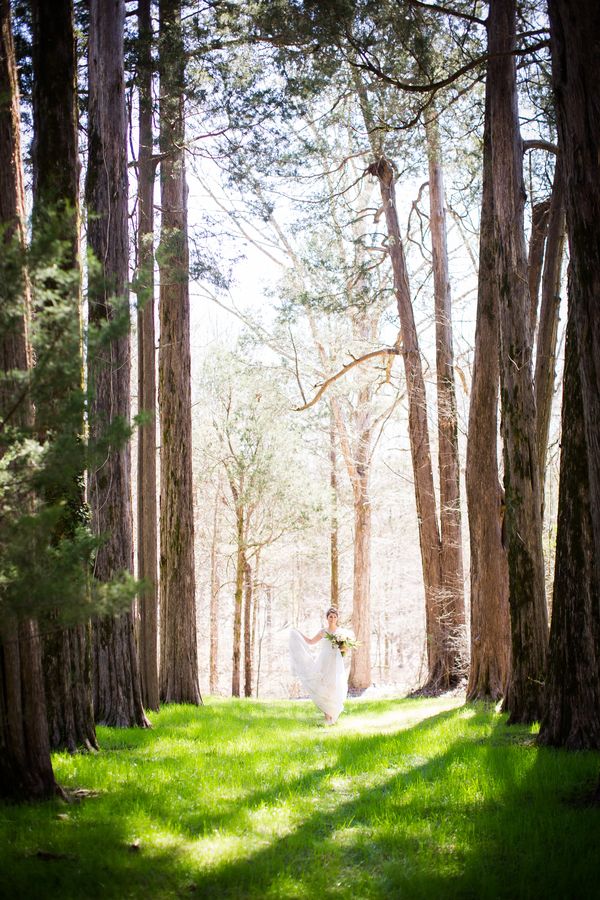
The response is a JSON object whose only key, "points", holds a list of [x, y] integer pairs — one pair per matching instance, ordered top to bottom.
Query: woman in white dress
{"points": [[323, 675]]}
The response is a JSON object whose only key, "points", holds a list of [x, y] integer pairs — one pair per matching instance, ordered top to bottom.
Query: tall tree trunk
{"points": [[576, 75], [545, 361], [146, 493], [333, 526], [214, 598], [248, 600], [453, 601], [238, 603], [255, 605], [529, 620], [490, 621], [179, 650], [66, 651], [360, 666], [440, 673], [117, 690], [572, 712], [572, 716], [25, 767]]}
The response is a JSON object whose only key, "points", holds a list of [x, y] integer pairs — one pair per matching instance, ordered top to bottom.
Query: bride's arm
{"points": [[315, 639]]}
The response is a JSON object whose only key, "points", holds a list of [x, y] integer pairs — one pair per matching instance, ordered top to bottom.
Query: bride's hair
{"points": [[333, 610]]}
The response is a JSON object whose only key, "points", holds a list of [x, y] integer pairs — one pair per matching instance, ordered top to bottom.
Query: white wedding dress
{"points": [[321, 672]]}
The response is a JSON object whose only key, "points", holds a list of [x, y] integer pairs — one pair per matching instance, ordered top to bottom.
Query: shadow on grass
{"points": [[378, 815]]}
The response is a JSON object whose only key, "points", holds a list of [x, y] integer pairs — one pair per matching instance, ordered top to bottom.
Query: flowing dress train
{"points": [[322, 673]]}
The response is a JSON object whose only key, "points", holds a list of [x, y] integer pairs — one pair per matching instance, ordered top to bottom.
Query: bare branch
{"points": [[538, 144], [385, 351], [296, 366]]}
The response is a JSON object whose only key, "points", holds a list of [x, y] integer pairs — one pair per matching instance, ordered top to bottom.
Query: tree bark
{"points": [[576, 74], [535, 257], [545, 361], [146, 495], [333, 528], [214, 598], [453, 600], [248, 601], [238, 602], [255, 605], [490, 621], [529, 621], [66, 651], [179, 651], [360, 665], [440, 672], [117, 690], [572, 711], [572, 715], [25, 766]]}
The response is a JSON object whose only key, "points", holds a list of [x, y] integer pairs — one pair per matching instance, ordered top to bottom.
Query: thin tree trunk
{"points": [[535, 257], [545, 361], [146, 493], [334, 527], [214, 598], [248, 598], [453, 602], [238, 604], [255, 605], [490, 620], [529, 620], [179, 651], [66, 652], [360, 666], [439, 671], [117, 690], [572, 716], [25, 767]]}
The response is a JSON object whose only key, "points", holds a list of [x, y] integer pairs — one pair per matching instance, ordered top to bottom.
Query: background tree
{"points": [[146, 487], [529, 620], [490, 622], [178, 649], [67, 657], [117, 692], [571, 717], [25, 768]]}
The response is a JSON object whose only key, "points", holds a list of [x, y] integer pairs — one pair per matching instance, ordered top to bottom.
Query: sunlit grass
{"points": [[408, 798]]}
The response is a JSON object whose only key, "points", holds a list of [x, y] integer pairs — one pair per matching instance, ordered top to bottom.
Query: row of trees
{"points": [[350, 87], [55, 687]]}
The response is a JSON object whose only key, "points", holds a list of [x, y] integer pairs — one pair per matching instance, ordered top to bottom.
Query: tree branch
{"points": [[435, 7], [369, 66], [539, 144], [385, 351]]}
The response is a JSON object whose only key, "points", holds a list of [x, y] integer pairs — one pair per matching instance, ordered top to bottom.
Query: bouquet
{"points": [[342, 640]]}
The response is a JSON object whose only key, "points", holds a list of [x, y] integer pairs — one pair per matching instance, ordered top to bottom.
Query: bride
{"points": [[323, 676]]}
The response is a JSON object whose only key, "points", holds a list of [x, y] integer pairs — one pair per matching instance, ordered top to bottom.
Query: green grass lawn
{"points": [[403, 798]]}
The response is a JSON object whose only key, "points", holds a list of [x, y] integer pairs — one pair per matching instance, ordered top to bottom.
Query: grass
{"points": [[410, 799]]}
